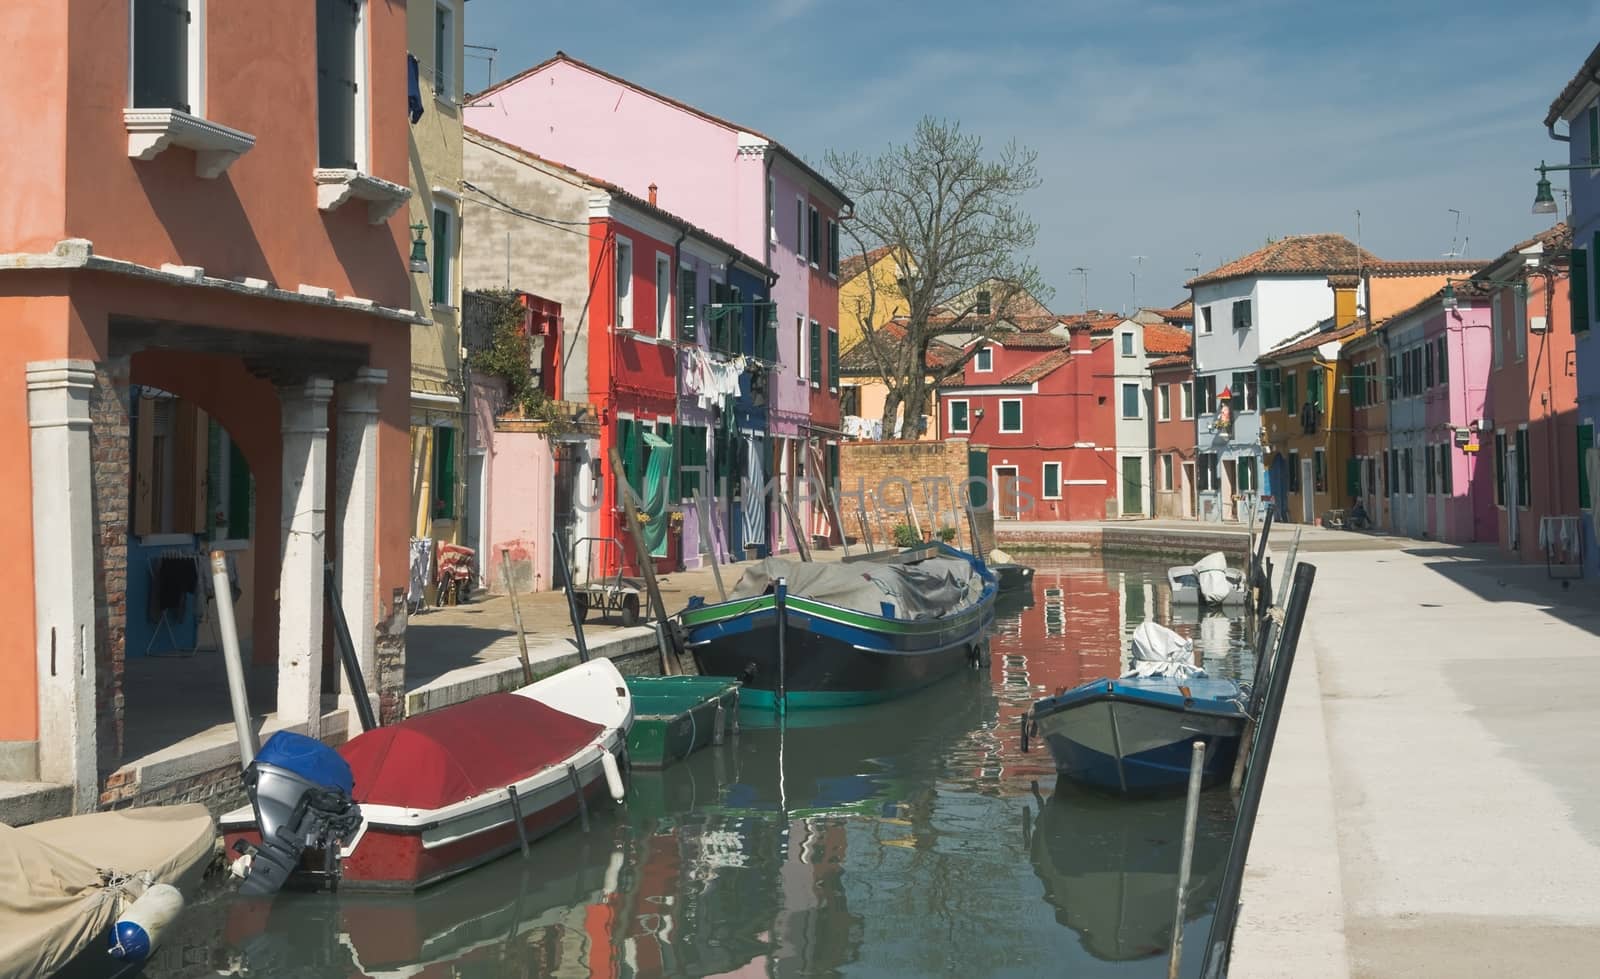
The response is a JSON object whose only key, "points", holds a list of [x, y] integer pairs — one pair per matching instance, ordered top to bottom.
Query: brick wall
{"points": [[110, 449], [883, 471], [389, 651], [219, 790]]}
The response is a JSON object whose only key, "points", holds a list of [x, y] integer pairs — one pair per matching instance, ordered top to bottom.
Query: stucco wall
{"points": [[520, 515]]}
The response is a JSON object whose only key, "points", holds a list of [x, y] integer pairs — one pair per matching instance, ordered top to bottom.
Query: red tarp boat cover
{"points": [[439, 758]]}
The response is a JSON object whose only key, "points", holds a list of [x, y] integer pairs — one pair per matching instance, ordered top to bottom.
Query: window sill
{"points": [[215, 146], [337, 186], [444, 308]]}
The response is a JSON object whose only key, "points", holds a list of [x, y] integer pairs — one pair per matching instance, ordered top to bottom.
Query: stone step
{"points": [[32, 802]]}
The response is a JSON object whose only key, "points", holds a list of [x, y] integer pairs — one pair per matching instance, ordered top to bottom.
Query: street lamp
{"points": [[1544, 202], [419, 250]]}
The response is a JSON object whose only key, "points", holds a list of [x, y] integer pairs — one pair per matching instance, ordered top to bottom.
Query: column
{"points": [[59, 392], [305, 520], [357, 529]]}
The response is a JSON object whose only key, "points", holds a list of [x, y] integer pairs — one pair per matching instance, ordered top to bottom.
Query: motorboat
{"points": [[1208, 581], [1132, 734], [405, 806]]}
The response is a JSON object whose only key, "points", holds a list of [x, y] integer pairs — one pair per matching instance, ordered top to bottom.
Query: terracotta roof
{"points": [[562, 56], [1586, 74], [636, 203], [1555, 240], [1294, 255], [853, 265], [1425, 267], [1177, 314], [1036, 324], [1324, 332], [1160, 338], [1017, 340], [859, 362], [1166, 363], [1040, 368]]}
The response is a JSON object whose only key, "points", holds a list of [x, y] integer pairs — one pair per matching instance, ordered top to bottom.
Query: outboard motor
{"points": [[300, 790]]}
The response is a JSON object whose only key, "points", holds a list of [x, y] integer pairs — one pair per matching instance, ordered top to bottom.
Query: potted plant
{"points": [[905, 535]]}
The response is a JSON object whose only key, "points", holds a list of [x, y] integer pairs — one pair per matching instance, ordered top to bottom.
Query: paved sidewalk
{"points": [[1433, 807]]}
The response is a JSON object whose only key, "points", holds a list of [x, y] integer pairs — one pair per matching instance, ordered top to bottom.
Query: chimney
{"points": [[652, 195], [1344, 298]]}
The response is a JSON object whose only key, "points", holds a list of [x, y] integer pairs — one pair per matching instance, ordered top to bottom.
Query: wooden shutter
{"points": [[161, 54], [336, 83], [833, 248], [442, 253], [1578, 289], [686, 306], [816, 354], [833, 360], [1585, 442]]}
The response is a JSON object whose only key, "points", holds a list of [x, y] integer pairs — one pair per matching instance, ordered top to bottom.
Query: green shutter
{"points": [[161, 54], [833, 248], [441, 258], [1578, 289], [686, 306], [816, 353], [833, 360], [1291, 393], [1011, 416], [958, 417], [1585, 442], [1499, 469], [1524, 470], [444, 473], [978, 478], [241, 494]]}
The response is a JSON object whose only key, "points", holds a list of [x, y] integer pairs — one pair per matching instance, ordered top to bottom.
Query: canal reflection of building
{"points": [[1110, 867]]}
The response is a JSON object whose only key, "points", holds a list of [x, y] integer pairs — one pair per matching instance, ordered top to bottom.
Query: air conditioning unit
{"points": [[1538, 324]]}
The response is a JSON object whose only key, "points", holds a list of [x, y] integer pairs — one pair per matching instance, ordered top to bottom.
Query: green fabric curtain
{"points": [[658, 482]]}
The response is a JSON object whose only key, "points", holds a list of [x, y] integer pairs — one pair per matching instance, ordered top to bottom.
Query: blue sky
{"points": [[1164, 129]]}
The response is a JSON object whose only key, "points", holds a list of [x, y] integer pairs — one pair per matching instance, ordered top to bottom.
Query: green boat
{"points": [[674, 716]]}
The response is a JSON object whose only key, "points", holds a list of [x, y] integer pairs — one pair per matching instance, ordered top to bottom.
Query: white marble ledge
{"points": [[215, 146], [335, 186]]}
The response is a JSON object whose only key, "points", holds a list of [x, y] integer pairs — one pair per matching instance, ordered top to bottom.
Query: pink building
{"points": [[734, 182]]}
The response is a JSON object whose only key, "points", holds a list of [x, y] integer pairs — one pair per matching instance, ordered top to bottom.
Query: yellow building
{"points": [[871, 293], [439, 436]]}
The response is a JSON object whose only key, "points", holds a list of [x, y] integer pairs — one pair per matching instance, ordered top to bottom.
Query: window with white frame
{"points": [[444, 49], [341, 63], [167, 67], [800, 228], [444, 253], [663, 296], [624, 318], [1205, 320], [1127, 344], [800, 358], [983, 361], [1188, 400], [1130, 401], [1164, 402], [1010, 415], [960, 420], [1166, 471], [1052, 481]]}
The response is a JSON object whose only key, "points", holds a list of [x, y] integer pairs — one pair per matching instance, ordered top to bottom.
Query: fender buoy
{"points": [[608, 762], [139, 928]]}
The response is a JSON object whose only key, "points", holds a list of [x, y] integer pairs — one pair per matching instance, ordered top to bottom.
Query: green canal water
{"points": [[908, 839]]}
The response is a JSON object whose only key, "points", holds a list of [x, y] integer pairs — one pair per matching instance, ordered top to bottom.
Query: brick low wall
{"points": [[883, 472], [1179, 545]]}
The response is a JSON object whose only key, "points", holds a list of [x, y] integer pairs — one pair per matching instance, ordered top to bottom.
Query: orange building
{"points": [[203, 280]]}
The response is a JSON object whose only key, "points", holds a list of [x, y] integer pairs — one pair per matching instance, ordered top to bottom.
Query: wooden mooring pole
{"points": [[516, 615], [1191, 815]]}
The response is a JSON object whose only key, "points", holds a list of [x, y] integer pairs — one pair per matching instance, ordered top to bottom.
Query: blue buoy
{"points": [[138, 930]]}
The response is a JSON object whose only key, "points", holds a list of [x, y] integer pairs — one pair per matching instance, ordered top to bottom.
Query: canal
{"points": [[909, 839]]}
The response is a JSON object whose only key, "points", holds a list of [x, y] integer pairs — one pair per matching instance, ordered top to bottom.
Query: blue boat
{"points": [[853, 633], [1132, 734]]}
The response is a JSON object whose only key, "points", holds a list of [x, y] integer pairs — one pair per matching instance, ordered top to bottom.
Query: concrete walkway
{"points": [[1433, 805]]}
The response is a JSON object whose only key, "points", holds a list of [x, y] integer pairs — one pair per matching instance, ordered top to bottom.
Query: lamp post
{"points": [[1544, 202], [419, 249], [1449, 297]]}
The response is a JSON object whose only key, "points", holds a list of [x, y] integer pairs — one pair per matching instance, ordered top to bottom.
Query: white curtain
{"points": [[755, 508]]}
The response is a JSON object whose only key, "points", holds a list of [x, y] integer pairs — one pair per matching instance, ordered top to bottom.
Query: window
{"points": [[444, 49], [339, 62], [167, 69], [800, 228], [814, 238], [833, 248], [444, 254], [1578, 289], [663, 296], [983, 302], [767, 310], [1241, 314], [624, 317], [1205, 320], [733, 323], [687, 329], [1127, 344], [800, 347], [816, 354], [833, 360], [1441, 360], [983, 363], [1427, 366], [1392, 381], [1358, 386], [1417, 386], [1271, 388], [1373, 388], [1244, 391], [1291, 392], [1208, 394], [850, 399], [1188, 400], [1130, 401], [1164, 402], [1010, 415], [960, 422], [1585, 444], [691, 460], [1407, 467], [1446, 467], [1500, 468], [1524, 469], [1319, 470], [1166, 471], [1206, 471], [1294, 472], [444, 473], [1388, 473], [1247, 475], [1372, 476], [1052, 480], [1429, 484], [230, 489]]}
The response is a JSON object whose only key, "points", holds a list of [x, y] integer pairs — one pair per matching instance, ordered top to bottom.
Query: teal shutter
{"points": [[441, 257], [1578, 289], [686, 306], [816, 354], [833, 360], [1585, 442], [444, 473]]}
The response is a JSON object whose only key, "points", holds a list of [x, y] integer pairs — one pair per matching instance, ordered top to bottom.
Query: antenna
{"points": [[1455, 236], [1138, 263], [1080, 270]]}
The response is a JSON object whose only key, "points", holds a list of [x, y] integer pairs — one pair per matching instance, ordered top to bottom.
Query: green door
{"points": [[978, 474], [1132, 485]]}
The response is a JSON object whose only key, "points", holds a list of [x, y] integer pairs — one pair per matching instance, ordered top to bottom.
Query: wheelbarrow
{"points": [[609, 594]]}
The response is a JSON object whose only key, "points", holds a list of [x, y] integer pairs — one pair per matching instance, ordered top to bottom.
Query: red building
{"points": [[822, 302], [1172, 389], [1041, 402]]}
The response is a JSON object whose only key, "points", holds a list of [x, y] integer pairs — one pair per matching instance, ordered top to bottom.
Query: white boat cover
{"points": [[1212, 570], [924, 590], [1158, 651], [64, 882]]}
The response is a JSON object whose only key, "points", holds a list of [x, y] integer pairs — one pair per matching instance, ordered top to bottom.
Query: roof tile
{"points": [[1294, 255]]}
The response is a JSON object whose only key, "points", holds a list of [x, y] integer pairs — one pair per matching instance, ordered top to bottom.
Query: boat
{"points": [[1011, 576], [1208, 581], [845, 634], [674, 716], [1132, 734], [435, 794], [1110, 868], [92, 895]]}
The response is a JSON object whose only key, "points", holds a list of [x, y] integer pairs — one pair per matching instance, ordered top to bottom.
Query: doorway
{"points": [[1132, 486], [1308, 492], [1226, 495], [1441, 499], [1190, 504], [1007, 505]]}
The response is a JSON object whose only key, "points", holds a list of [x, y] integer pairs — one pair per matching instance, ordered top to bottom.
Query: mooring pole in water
{"points": [[866, 529], [565, 567], [223, 589], [780, 608], [347, 651], [1191, 815], [1219, 943]]}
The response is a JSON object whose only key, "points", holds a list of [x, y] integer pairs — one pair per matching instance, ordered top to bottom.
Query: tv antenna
{"points": [[1456, 236], [1138, 263], [1084, 295]]}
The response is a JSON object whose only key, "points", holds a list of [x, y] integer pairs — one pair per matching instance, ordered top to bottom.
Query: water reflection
{"points": [[913, 838]]}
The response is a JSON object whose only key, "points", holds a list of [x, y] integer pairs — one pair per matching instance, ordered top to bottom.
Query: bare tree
{"points": [[953, 223]]}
